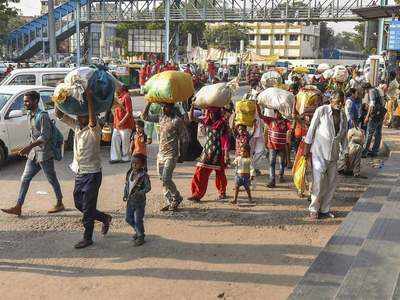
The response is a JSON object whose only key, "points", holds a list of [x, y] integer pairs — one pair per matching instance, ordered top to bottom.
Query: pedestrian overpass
{"points": [[29, 39]]}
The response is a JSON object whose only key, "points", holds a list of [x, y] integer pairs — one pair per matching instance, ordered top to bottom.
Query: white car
{"points": [[36, 76], [14, 126]]}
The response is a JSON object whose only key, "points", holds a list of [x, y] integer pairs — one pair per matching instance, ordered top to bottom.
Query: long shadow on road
{"points": [[117, 249]]}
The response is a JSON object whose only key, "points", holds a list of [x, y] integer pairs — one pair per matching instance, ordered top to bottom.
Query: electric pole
{"points": [[52, 34]]}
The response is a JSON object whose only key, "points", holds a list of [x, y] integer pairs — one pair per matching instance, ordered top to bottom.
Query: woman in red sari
{"points": [[214, 155]]}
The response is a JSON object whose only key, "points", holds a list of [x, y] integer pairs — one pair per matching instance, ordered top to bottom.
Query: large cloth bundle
{"points": [[322, 68], [328, 74], [340, 74], [270, 79], [169, 87], [216, 95], [69, 96], [308, 96], [277, 99], [245, 112]]}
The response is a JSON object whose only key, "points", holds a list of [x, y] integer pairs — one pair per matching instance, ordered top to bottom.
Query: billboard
{"points": [[394, 35], [145, 41]]}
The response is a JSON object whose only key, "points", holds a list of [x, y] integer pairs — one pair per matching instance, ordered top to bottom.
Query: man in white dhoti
{"points": [[325, 139]]}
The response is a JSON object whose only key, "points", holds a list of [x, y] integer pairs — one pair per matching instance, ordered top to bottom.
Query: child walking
{"points": [[278, 132], [139, 140], [242, 178], [137, 185]]}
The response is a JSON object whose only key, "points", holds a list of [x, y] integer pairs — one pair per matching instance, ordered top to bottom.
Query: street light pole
{"points": [[167, 19], [52, 33], [78, 35]]}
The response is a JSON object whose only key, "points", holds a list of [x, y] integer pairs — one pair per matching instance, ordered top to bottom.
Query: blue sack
{"points": [[103, 88]]}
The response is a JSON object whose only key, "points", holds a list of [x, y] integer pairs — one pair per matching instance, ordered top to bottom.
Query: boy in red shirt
{"points": [[278, 132]]}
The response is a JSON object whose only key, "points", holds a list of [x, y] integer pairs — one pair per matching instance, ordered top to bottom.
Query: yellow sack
{"points": [[300, 70], [169, 87], [306, 98], [245, 112], [299, 174]]}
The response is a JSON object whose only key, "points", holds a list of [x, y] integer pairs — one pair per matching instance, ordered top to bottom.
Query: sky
{"points": [[32, 8]]}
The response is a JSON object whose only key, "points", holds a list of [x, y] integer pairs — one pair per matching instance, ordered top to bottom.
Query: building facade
{"points": [[286, 40]]}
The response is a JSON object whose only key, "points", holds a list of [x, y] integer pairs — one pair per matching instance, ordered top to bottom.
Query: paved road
{"points": [[205, 251]]}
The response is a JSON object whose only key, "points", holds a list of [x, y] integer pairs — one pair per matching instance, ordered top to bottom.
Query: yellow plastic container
{"points": [[106, 133]]}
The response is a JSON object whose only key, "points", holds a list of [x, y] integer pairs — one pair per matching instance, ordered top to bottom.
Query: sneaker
{"points": [[149, 141], [271, 184], [57, 208], [15, 210], [327, 215], [106, 225], [139, 241], [83, 244]]}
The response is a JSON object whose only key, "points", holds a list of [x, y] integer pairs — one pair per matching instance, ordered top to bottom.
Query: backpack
{"points": [[379, 110], [56, 139]]}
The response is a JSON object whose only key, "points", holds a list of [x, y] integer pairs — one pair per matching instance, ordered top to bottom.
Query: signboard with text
{"points": [[394, 35]]}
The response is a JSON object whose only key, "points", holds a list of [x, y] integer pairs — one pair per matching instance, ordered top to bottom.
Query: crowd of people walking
{"points": [[330, 134]]}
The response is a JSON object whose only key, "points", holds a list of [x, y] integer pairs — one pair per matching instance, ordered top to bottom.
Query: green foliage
{"points": [[8, 17], [227, 36]]}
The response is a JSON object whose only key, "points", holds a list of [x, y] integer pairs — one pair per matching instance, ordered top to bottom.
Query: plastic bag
{"points": [[323, 67], [328, 74], [340, 74], [270, 79], [100, 83], [74, 85], [169, 87], [216, 95], [307, 97], [275, 98], [245, 112], [355, 136], [299, 174]]}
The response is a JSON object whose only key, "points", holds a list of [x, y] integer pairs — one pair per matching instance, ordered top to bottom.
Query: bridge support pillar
{"points": [[167, 30], [52, 34]]}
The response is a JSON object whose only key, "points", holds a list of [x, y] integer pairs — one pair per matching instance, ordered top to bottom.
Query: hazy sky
{"points": [[32, 8]]}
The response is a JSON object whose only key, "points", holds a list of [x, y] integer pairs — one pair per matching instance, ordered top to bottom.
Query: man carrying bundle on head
{"points": [[168, 88], [170, 136]]}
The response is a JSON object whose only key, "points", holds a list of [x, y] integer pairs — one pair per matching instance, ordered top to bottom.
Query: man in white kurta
{"points": [[325, 138]]}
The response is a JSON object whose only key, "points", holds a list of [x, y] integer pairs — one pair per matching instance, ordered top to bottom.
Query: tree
{"points": [[8, 17], [227, 36], [346, 41]]}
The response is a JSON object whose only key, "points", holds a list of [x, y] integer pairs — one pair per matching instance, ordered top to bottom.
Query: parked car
{"points": [[3, 69], [36, 76], [14, 127]]}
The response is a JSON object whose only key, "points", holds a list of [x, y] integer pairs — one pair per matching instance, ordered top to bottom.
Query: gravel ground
{"points": [[209, 250]]}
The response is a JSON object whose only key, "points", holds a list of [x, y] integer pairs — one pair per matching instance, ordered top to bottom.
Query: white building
{"points": [[286, 40]]}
